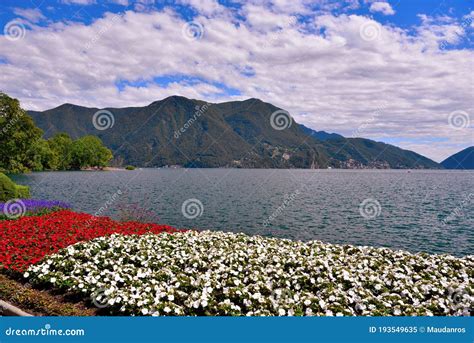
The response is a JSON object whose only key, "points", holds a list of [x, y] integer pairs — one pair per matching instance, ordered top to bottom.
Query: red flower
{"points": [[27, 240]]}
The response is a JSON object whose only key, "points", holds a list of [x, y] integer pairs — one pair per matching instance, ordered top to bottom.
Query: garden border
{"points": [[10, 310]]}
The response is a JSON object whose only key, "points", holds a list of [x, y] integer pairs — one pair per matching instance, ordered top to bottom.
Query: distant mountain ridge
{"points": [[194, 133], [321, 135], [463, 159]]}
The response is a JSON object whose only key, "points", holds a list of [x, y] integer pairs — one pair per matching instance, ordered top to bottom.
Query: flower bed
{"points": [[16, 208], [28, 239], [212, 273]]}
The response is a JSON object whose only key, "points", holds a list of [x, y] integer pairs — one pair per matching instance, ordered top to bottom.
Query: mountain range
{"points": [[178, 131], [464, 159]]}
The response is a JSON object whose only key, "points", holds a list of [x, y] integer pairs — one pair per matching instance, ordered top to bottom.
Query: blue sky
{"points": [[407, 12], [396, 71]]}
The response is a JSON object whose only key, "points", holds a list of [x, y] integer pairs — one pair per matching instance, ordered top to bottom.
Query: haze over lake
{"points": [[296, 204]]}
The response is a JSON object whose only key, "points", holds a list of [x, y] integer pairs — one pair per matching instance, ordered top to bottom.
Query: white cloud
{"points": [[78, 2], [120, 2], [204, 7], [382, 7], [34, 15], [468, 20], [440, 31], [396, 85]]}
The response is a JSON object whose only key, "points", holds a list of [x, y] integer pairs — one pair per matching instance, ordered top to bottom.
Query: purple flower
{"points": [[32, 205]]}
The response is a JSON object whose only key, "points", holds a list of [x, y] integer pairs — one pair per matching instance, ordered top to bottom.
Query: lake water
{"points": [[429, 211]]}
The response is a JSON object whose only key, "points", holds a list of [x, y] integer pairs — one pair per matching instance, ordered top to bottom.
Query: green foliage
{"points": [[18, 134], [181, 135], [61, 145], [23, 149], [89, 151], [42, 157], [130, 167], [7, 188], [10, 190], [22, 192]]}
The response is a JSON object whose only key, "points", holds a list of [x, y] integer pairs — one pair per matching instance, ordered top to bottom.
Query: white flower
{"points": [[185, 272]]}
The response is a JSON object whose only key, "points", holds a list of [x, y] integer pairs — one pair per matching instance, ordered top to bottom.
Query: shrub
{"points": [[130, 168], [8, 189], [22, 192]]}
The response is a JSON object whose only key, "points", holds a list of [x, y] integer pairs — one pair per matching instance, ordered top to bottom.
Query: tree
{"points": [[18, 134], [61, 145], [22, 149], [89, 151], [42, 157]]}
